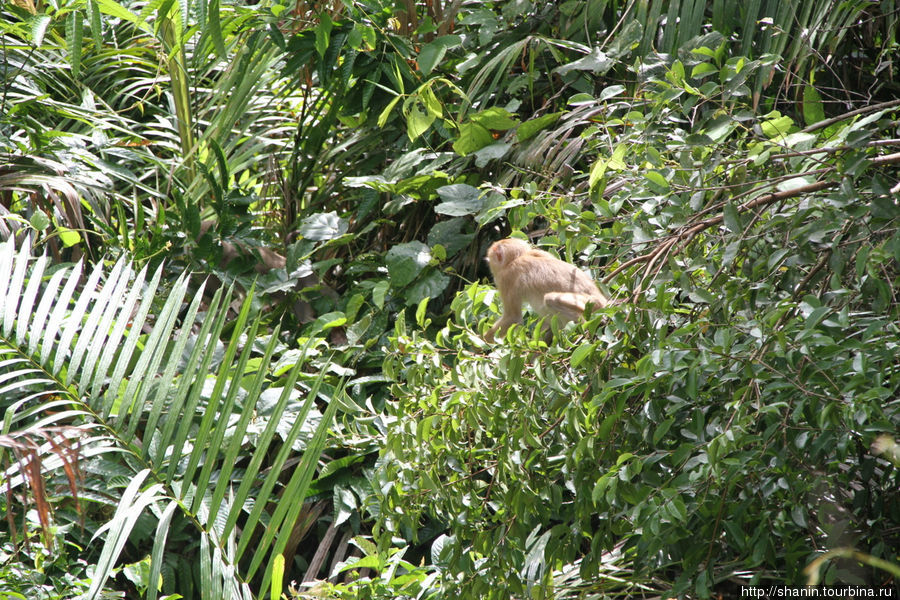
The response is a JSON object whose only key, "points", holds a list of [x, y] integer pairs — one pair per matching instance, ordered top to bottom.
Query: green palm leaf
{"points": [[108, 358]]}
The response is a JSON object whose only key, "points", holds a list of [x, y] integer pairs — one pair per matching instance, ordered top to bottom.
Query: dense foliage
{"points": [[315, 402], [718, 425]]}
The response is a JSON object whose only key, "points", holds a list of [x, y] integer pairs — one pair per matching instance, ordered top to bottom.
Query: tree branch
{"points": [[852, 113], [687, 233]]}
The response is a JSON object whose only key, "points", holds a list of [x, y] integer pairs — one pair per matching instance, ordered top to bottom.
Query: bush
{"points": [[717, 428]]}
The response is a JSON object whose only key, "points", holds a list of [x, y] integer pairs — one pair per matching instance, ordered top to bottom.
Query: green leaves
{"points": [[74, 32], [323, 33], [362, 37], [433, 52], [597, 62], [813, 108], [418, 122], [776, 125], [532, 127], [478, 131], [472, 137], [614, 162], [459, 200], [322, 227], [406, 261], [412, 273], [151, 385], [646, 425], [668, 441]]}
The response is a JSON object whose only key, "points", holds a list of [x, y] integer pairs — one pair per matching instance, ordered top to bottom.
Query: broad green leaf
{"points": [[114, 9], [323, 33], [362, 37], [628, 39], [704, 51], [433, 52], [430, 55], [598, 62], [702, 69], [676, 73], [611, 91], [581, 99], [431, 102], [813, 107], [383, 117], [495, 118], [417, 122], [777, 126], [528, 129], [472, 137], [699, 139], [803, 140], [494, 151], [617, 160], [615, 163], [597, 172], [657, 178], [793, 183], [459, 200], [732, 218], [39, 220], [321, 227], [451, 234], [69, 237], [405, 262], [431, 285], [702, 296], [421, 309], [815, 317], [329, 321], [582, 352], [606, 426], [662, 429], [624, 457], [599, 489], [345, 504], [676, 509], [798, 516], [437, 547], [366, 562]]}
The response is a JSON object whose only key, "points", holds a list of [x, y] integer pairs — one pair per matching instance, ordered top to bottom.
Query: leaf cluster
{"points": [[718, 426]]}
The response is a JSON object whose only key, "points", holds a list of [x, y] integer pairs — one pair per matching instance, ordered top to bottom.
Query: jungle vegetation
{"points": [[242, 298]]}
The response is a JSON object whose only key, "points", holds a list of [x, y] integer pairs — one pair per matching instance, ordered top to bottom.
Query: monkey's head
{"points": [[503, 252]]}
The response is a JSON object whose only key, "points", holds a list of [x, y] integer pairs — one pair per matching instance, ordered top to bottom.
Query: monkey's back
{"points": [[541, 274]]}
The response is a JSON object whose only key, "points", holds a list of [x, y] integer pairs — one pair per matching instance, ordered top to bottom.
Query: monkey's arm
{"points": [[512, 313]]}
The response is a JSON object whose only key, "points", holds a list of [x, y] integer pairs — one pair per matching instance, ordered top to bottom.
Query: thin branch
{"points": [[852, 113], [823, 150], [688, 232]]}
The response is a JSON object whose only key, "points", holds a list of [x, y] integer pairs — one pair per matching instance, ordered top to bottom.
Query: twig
{"points": [[852, 113], [823, 150], [688, 232]]}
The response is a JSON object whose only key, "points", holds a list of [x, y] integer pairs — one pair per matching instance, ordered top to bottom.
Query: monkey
{"points": [[550, 286]]}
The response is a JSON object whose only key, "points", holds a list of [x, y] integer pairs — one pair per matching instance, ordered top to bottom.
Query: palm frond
{"points": [[110, 352]]}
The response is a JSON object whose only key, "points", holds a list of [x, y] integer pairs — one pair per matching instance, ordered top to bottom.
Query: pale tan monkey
{"points": [[550, 286]]}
